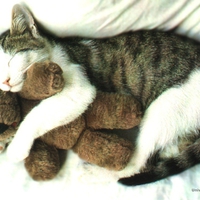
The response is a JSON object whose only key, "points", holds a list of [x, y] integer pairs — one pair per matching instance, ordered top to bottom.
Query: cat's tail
{"points": [[166, 167]]}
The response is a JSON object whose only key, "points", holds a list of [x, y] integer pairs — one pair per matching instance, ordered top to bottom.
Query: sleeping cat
{"points": [[161, 70]]}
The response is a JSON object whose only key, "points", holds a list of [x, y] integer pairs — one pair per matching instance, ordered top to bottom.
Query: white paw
{"points": [[17, 152], [89, 173]]}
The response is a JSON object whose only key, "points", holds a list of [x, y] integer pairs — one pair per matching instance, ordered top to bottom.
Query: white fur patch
{"points": [[13, 67]]}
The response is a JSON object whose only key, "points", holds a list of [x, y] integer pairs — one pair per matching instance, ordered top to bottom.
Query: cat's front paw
{"points": [[17, 152]]}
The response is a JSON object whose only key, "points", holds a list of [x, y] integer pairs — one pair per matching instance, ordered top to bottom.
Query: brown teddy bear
{"points": [[84, 135]]}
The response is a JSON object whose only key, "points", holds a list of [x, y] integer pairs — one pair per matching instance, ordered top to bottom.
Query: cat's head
{"points": [[19, 49]]}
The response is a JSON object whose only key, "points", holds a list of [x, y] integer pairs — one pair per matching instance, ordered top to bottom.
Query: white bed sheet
{"points": [[16, 183]]}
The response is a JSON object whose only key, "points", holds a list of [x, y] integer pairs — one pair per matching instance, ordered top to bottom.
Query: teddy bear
{"points": [[85, 135]]}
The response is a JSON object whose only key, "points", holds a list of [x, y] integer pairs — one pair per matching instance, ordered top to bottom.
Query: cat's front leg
{"points": [[52, 112]]}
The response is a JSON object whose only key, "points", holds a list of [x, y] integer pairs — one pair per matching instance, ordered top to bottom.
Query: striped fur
{"points": [[142, 64]]}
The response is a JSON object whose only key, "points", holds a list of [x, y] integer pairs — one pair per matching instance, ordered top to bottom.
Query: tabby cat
{"points": [[161, 70]]}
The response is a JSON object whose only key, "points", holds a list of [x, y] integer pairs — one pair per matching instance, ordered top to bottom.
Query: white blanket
{"points": [[100, 18], [16, 183]]}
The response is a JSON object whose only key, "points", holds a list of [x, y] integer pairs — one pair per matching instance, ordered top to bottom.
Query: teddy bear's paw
{"points": [[16, 153], [88, 173]]}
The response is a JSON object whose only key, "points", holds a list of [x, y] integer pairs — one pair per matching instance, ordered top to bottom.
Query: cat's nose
{"points": [[6, 82]]}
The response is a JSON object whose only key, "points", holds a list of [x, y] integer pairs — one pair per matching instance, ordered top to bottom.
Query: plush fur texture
{"points": [[83, 134]]}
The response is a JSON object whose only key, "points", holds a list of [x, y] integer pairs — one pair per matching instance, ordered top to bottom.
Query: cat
{"points": [[159, 69]]}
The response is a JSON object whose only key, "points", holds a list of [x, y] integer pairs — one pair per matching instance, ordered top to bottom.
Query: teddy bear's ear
{"points": [[22, 22]]}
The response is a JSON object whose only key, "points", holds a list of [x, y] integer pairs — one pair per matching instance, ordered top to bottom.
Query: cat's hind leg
{"points": [[172, 114]]}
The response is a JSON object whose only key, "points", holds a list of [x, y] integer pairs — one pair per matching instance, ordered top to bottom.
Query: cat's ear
{"points": [[22, 22]]}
